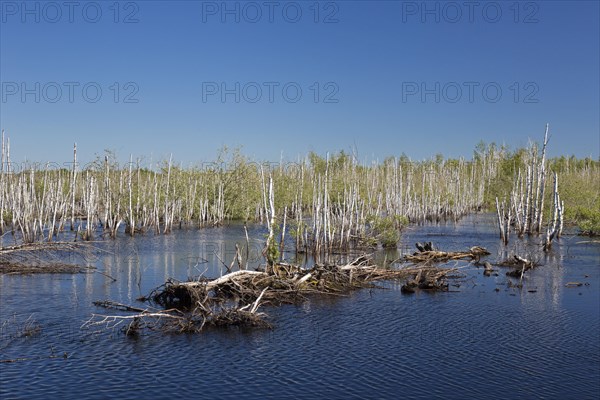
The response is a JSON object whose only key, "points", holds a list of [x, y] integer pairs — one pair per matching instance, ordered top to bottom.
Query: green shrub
{"points": [[588, 220], [385, 230]]}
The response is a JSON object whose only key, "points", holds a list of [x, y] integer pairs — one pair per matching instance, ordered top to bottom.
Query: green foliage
{"points": [[336, 162], [502, 182], [578, 185], [6, 217], [588, 220], [385, 230], [272, 249], [272, 252]]}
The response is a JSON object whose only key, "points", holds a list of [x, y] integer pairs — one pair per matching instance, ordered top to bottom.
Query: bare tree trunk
{"points": [[542, 182], [3, 185], [73, 186], [131, 219], [504, 221], [167, 222], [554, 226], [282, 240], [271, 245], [247, 246]]}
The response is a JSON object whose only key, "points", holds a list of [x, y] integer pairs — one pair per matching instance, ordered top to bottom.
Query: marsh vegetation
{"points": [[325, 203]]}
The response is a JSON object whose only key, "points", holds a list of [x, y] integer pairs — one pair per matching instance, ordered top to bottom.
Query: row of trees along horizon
{"points": [[325, 203]]}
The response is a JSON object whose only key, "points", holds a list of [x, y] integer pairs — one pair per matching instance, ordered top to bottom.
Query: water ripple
{"points": [[373, 344]]}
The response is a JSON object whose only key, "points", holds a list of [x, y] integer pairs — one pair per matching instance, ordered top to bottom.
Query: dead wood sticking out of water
{"points": [[436, 256], [42, 258], [519, 264], [47, 268], [434, 278], [427, 279], [286, 283], [234, 299], [174, 320]]}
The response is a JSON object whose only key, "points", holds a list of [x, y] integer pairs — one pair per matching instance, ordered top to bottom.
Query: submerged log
{"points": [[488, 269], [428, 279]]}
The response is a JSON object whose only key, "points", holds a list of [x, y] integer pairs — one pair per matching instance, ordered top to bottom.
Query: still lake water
{"points": [[542, 341]]}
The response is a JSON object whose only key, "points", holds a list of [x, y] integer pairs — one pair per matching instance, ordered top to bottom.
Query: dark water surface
{"points": [[542, 341]]}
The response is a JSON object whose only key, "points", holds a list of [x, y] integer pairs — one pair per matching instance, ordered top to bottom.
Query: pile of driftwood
{"points": [[428, 254], [43, 258], [435, 278], [286, 283], [234, 299]]}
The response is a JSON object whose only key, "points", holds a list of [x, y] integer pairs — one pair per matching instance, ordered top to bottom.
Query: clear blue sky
{"points": [[391, 79]]}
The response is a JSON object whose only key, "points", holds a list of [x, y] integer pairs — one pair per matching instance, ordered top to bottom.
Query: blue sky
{"points": [[383, 77]]}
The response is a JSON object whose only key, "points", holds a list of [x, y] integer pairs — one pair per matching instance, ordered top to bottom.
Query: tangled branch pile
{"points": [[429, 255], [31, 258], [234, 299]]}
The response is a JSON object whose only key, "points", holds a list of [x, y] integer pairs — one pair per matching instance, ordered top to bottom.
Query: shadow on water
{"points": [[484, 338]]}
